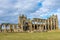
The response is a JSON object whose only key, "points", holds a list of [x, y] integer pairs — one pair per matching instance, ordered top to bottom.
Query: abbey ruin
{"points": [[28, 25]]}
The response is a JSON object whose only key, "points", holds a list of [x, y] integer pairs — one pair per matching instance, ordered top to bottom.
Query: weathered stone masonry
{"points": [[34, 25]]}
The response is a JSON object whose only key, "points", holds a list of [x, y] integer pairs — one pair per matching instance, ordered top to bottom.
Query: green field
{"points": [[30, 36]]}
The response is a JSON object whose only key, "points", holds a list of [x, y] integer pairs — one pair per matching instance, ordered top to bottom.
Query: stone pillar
{"points": [[51, 23], [56, 23], [22, 24], [37, 24], [48, 24], [34, 25], [30, 26], [45, 26], [10, 27], [21, 27], [0, 28], [4, 28], [14, 28], [40, 28], [11, 30]]}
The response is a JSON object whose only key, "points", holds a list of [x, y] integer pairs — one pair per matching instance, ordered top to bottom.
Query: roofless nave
{"points": [[27, 25]]}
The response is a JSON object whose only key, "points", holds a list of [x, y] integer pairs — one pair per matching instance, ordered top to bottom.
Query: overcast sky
{"points": [[11, 9]]}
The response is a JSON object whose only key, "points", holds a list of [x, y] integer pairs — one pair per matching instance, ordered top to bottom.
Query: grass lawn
{"points": [[30, 36]]}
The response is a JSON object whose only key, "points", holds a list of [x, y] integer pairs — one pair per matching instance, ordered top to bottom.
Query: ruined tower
{"points": [[21, 20]]}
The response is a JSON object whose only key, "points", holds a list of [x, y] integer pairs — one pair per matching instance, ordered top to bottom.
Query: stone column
{"points": [[51, 23], [56, 23], [22, 24], [37, 24], [48, 24], [34, 25], [30, 26], [40, 26], [45, 26], [54, 26], [10, 27], [21, 27], [0, 28], [4, 28], [14, 28], [11, 30]]}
